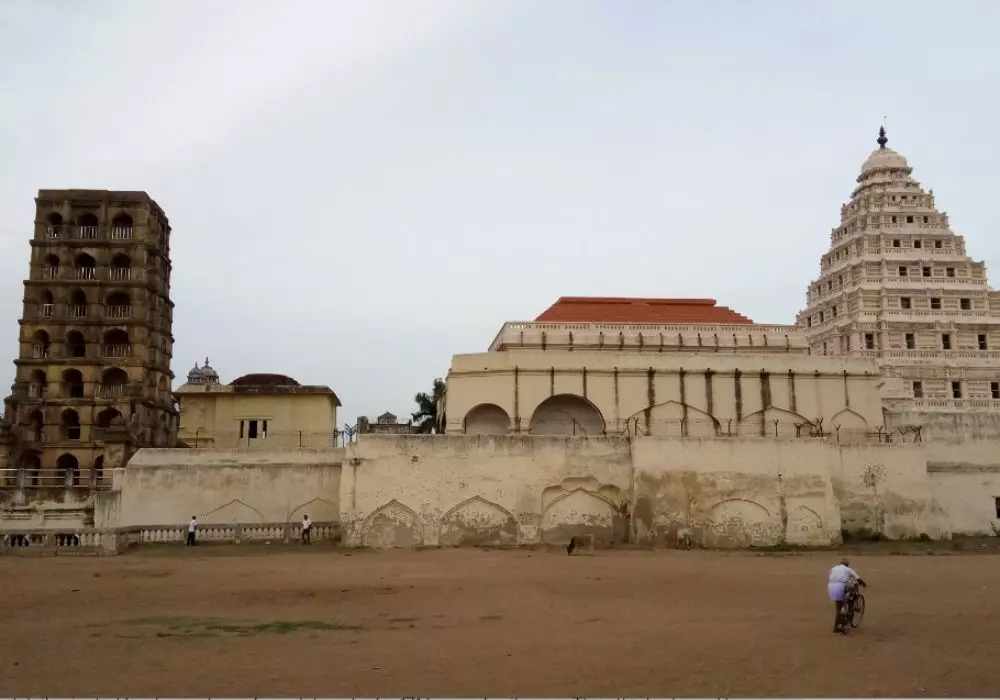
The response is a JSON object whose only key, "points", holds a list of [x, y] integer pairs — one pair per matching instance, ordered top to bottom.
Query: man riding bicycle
{"points": [[843, 583]]}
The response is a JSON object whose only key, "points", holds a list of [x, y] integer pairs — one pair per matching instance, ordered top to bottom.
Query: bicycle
{"points": [[853, 609]]}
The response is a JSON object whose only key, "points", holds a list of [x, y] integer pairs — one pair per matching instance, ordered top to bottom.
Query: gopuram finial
{"points": [[882, 140]]}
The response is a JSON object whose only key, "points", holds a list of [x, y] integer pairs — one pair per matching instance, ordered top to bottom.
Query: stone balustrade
{"points": [[650, 337], [117, 541]]}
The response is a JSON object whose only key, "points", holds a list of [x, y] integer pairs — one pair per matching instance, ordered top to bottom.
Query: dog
{"points": [[684, 538], [581, 541]]}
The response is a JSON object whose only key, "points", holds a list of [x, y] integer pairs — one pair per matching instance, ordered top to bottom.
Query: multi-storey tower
{"points": [[897, 285], [95, 335]]}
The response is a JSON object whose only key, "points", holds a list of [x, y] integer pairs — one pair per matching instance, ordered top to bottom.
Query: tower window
{"points": [[894, 218], [909, 219], [925, 219], [895, 243], [917, 243], [937, 244], [902, 271], [950, 271], [927, 272], [905, 303], [936, 303], [965, 304], [834, 311], [822, 316], [869, 341], [911, 341], [946, 341], [983, 342], [918, 390], [956, 390], [995, 390], [996, 502]]}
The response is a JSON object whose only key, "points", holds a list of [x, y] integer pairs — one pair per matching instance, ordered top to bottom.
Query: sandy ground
{"points": [[288, 621]]}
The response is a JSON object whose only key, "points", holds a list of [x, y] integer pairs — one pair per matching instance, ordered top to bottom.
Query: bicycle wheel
{"points": [[858, 610]]}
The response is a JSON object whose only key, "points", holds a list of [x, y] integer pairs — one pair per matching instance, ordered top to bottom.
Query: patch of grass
{"points": [[213, 627]]}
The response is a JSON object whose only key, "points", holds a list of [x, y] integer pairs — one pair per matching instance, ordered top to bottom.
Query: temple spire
{"points": [[882, 140]]}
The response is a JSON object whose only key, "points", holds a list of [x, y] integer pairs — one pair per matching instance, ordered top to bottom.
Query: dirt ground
{"points": [[244, 621]]}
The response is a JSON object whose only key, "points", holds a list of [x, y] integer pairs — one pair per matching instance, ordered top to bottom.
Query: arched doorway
{"points": [[567, 415], [487, 419]]}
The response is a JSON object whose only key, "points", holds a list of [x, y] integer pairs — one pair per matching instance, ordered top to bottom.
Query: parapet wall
{"points": [[408, 490]]}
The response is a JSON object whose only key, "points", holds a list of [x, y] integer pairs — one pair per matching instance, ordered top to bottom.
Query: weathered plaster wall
{"points": [[949, 427], [165, 487], [499, 490]]}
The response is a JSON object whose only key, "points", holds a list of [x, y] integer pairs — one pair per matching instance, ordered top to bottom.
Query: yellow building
{"points": [[256, 410]]}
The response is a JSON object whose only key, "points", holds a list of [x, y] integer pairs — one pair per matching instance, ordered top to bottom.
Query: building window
{"points": [[894, 218], [925, 219], [909, 220], [895, 243], [917, 243], [937, 244], [902, 271], [950, 271], [927, 272], [905, 303], [936, 303], [965, 304], [834, 311], [822, 316], [809, 322], [869, 341], [911, 341], [946, 341], [983, 342], [824, 348], [918, 390], [956, 390], [995, 390], [253, 429], [996, 502]]}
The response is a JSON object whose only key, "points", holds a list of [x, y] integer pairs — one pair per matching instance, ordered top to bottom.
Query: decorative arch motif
{"points": [[567, 415], [486, 419], [849, 420], [772, 422], [317, 509], [235, 511], [578, 512], [478, 522], [740, 522], [392, 525], [805, 526]]}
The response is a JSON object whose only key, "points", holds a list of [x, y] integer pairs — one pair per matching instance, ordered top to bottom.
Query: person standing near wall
{"points": [[192, 528], [306, 529]]}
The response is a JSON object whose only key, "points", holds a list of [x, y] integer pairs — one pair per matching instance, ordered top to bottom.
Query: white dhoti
{"points": [[836, 591]]}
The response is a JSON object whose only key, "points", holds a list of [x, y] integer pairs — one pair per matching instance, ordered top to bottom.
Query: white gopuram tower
{"points": [[898, 286]]}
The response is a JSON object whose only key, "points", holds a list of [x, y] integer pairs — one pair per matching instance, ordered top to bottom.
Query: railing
{"points": [[53, 232], [88, 233], [121, 233], [50, 273], [86, 273], [121, 274], [910, 279], [46, 310], [78, 311], [120, 312], [116, 351], [40, 352], [939, 354], [36, 391], [113, 391], [957, 404], [272, 439], [95, 479], [239, 532], [59, 541]]}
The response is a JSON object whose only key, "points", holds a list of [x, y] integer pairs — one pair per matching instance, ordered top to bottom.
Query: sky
{"points": [[360, 189]]}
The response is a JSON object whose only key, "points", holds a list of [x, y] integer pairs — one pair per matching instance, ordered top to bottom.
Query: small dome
{"points": [[883, 158], [203, 375], [264, 380]]}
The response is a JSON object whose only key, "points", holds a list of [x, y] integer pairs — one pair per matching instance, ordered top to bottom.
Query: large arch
{"points": [[76, 344], [114, 382], [38, 384], [72, 384], [566, 414], [107, 416], [486, 419], [671, 419], [771, 422], [69, 424], [36, 426], [31, 464], [69, 466]]}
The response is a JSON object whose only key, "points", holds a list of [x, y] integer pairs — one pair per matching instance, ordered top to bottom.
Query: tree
{"points": [[426, 417]]}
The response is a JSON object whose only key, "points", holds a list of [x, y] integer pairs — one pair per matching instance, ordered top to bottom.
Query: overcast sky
{"points": [[359, 190]]}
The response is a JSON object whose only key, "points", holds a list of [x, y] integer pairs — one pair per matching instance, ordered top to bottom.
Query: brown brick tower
{"points": [[95, 338]]}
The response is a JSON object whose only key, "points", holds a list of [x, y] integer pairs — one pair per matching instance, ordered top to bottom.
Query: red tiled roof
{"points": [[627, 310]]}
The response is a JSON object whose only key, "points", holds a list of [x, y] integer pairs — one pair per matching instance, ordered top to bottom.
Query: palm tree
{"points": [[426, 417]]}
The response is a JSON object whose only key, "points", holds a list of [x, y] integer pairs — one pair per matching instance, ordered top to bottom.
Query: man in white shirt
{"points": [[306, 527], [192, 528], [840, 575]]}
